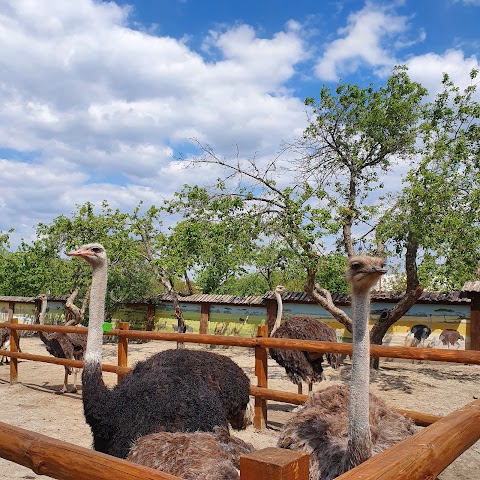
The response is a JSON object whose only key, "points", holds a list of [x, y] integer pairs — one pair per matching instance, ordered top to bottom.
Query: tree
{"points": [[355, 133], [436, 217]]}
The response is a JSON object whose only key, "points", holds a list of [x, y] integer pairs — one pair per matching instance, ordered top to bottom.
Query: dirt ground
{"points": [[33, 404]]}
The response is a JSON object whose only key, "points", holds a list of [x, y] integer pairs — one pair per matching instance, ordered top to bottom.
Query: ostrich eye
{"points": [[96, 250], [355, 266]]}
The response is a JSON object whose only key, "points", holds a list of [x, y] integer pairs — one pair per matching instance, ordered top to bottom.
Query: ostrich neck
{"points": [[278, 319], [93, 353], [359, 435]]}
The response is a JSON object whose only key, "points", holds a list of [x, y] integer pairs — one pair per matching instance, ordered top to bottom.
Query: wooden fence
{"points": [[421, 456]]}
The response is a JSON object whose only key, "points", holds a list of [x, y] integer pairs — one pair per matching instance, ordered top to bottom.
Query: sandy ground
{"points": [[33, 404]]}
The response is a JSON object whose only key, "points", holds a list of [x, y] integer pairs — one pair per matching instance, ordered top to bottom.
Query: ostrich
{"points": [[420, 334], [451, 337], [4, 343], [63, 345], [301, 366], [172, 391], [341, 427], [192, 456]]}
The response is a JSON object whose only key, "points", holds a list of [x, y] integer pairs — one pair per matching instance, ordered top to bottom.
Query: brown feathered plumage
{"points": [[304, 366], [320, 428], [192, 456]]}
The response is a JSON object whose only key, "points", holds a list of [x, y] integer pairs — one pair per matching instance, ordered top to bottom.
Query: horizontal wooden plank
{"points": [[428, 452], [65, 461]]}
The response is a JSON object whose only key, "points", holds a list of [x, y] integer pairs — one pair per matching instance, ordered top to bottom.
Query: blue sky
{"points": [[98, 99]]}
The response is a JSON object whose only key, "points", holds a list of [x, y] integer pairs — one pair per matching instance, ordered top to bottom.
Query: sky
{"points": [[102, 100]]}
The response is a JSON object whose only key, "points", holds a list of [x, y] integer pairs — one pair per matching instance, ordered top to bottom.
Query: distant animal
{"points": [[243, 320], [162, 326], [188, 328], [220, 329], [420, 334], [451, 337], [4, 343], [63, 345], [302, 366], [172, 391], [341, 426], [192, 456]]}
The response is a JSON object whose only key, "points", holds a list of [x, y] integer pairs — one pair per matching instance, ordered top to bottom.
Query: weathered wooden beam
{"points": [[204, 318], [14, 347], [433, 354], [122, 356], [261, 372], [420, 419], [428, 452], [65, 461], [275, 464]]}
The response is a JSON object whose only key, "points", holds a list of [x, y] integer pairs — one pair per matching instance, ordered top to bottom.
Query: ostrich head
{"points": [[93, 253], [364, 272], [279, 289]]}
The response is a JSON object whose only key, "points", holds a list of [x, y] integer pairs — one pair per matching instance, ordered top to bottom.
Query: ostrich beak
{"points": [[80, 253], [378, 270]]}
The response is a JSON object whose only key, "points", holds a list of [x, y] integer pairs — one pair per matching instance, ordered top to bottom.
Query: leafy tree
{"points": [[355, 133]]}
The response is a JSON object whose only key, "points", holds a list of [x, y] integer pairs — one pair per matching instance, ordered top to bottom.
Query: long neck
{"points": [[43, 311], [278, 320], [93, 353], [359, 435]]}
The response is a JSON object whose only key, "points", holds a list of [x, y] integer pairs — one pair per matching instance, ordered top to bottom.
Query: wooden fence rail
{"points": [[412, 353], [261, 393], [427, 453], [422, 456]]}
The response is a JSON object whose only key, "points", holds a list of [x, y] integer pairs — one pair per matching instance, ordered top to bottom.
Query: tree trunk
{"points": [[389, 317]]}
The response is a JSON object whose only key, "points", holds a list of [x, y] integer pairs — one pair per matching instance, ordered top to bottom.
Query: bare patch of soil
{"points": [[34, 404]]}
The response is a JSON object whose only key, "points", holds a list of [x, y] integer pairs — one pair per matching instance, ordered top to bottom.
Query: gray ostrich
{"points": [[449, 336], [63, 345], [301, 366], [172, 391], [341, 427], [192, 456]]}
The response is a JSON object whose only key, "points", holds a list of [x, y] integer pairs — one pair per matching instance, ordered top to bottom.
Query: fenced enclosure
{"points": [[262, 394]]}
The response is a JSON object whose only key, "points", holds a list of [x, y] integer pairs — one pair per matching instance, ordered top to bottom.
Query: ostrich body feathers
{"points": [[304, 366], [320, 428], [192, 456]]}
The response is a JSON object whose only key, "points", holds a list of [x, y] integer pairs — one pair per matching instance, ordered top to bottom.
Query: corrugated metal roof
{"points": [[471, 287], [376, 296], [51, 298], [338, 298]]}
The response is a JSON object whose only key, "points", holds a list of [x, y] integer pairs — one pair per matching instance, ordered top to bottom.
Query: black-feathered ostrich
{"points": [[420, 334], [4, 343], [63, 345], [301, 366], [172, 391], [341, 427]]}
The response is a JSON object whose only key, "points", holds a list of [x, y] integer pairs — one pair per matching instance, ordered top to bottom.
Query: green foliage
{"points": [[439, 208]]}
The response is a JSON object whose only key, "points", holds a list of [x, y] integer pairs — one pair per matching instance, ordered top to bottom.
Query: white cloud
{"points": [[363, 41], [428, 69], [104, 108]]}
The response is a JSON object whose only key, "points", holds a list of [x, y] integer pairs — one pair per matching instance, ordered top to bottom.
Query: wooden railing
{"points": [[421, 456]]}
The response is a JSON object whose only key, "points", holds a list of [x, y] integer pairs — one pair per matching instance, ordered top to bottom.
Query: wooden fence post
{"points": [[204, 317], [14, 347], [122, 350], [261, 372], [275, 464]]}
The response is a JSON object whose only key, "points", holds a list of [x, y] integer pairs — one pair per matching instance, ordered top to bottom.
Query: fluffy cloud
{"points": [[365, 40], [94, 110]]}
